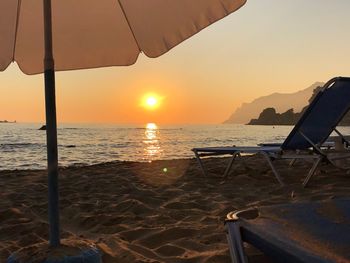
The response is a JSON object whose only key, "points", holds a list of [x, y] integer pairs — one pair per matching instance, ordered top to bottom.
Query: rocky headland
{"points": [[269, 116]]}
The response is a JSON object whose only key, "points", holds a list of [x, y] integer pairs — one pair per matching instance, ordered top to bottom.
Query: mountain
{"points": [[280, 101], [269, 116]]}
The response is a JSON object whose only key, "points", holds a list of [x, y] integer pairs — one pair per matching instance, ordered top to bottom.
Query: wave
{"points": [[72, 128], [158, 129], [20, 145], [7, 146], [67, 146]]}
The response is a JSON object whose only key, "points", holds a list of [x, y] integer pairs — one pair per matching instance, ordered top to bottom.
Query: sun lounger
{"points": [[306, 138], [309, 232]]}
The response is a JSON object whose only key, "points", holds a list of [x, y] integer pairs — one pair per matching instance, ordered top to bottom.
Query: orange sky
{"points": [[266, 46]]}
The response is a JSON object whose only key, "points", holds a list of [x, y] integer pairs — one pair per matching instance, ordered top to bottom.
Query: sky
{"points": [[266, 46]]}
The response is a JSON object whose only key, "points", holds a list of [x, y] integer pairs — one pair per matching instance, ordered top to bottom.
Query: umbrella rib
{"points": [[19, 2], [128, 22]]}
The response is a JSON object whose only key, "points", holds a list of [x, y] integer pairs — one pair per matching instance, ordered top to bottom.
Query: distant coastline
{"points": [[281, 102], [269, 116], [6, 121]]}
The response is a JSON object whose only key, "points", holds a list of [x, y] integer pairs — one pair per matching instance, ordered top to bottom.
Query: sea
{"points": [[23, 145]]}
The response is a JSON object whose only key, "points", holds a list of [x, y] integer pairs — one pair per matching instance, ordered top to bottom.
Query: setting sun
{"points": [[151, 101]]}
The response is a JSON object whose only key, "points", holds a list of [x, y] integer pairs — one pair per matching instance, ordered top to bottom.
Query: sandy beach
{"points": [[164, 211]]}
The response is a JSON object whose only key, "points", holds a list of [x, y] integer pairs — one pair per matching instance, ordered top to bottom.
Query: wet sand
{"points": [[164, 211]]}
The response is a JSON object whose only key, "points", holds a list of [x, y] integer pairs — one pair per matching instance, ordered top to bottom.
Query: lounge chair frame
{"points": [[278, 151], [318, 155], [238, 231], [236, 235], [234, 238]]}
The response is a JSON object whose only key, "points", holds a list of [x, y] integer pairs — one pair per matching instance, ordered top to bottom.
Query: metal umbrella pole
{"points": [[51, 130]]}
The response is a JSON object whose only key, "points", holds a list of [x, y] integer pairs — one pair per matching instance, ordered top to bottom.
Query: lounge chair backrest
{"points": [[321, 117]]}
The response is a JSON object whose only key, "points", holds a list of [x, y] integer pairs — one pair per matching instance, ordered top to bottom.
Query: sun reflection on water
{"points": [[152, 149]]}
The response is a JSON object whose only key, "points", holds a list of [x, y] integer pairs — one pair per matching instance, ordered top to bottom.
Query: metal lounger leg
{"points": [[292, 162], [200, 163], [228, 168], [312, 171], [278, 177], [235, 242]]}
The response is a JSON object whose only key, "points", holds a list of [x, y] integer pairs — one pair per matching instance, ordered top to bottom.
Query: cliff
{"points": [[280, 101], [269, 116]]}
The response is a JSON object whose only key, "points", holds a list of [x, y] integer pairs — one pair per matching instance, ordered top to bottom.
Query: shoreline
{"points": [[86, 165], [142, 212]]}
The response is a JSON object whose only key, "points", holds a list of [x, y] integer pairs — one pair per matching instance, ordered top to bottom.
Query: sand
{"points": [[141, 212]]}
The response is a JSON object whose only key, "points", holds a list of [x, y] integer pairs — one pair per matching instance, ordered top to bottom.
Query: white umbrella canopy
{"points": [[91, 34], [53, 35]]}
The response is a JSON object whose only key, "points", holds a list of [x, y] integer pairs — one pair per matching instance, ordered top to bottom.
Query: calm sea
{"points": [[22, 146]]}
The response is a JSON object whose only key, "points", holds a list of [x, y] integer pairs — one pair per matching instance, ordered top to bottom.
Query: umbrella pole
{"points": [[51, 129]]}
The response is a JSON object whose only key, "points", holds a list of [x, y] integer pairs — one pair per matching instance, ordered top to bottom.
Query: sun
{"points": [[151, 101]]}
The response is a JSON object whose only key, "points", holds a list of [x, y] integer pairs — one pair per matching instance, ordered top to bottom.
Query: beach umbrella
{"points": [[55, 35]]}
